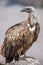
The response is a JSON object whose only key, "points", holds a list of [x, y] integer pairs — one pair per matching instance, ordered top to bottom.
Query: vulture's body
{"points": [[18, 39]]}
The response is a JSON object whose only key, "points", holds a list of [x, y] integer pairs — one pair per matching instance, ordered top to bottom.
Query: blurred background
{"points": [[38, 3], [10, 15]]}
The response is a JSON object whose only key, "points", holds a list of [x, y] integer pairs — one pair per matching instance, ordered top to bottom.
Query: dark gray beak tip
{"points": [[22, 11]]}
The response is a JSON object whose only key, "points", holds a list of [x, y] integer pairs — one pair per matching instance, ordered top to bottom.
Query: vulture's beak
{"points": [[26, 10]]}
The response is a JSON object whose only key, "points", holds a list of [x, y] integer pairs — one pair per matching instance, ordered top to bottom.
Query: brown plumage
{"points": [[18, 39]]}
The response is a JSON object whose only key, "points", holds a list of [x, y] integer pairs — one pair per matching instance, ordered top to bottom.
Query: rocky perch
{"points": [[23, 61]]}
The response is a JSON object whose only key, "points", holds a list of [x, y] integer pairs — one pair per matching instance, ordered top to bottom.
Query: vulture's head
{"points": [[28, 9], [32, 13]]}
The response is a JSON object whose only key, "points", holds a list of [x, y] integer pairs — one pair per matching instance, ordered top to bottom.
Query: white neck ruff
{"points": [[33, 18]]}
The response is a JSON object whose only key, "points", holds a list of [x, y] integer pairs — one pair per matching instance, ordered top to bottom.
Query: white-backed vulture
{"points": [[20, 37]]}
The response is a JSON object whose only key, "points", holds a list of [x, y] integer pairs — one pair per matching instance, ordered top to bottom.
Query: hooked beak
{"points": [[26, 10]]}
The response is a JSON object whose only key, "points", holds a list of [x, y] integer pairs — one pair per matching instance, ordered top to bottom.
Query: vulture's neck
{"points": [[32, 18]]}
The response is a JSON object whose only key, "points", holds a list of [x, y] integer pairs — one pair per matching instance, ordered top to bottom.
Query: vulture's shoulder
{"points": [[18, 27], [12, 28]]}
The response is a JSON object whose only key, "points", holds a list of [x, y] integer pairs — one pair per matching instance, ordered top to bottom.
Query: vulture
{"points": [[20, 37]]}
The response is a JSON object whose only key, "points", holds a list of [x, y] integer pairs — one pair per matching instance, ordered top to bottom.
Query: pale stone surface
{"points": [[24, 61]]}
